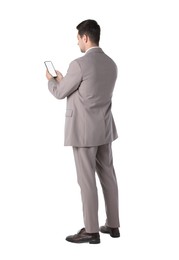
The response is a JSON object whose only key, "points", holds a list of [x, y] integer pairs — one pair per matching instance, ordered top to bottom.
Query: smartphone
{"points": [[50, 68]]}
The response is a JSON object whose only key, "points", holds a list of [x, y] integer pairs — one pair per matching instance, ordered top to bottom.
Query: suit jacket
{"points": [[88, 86]]}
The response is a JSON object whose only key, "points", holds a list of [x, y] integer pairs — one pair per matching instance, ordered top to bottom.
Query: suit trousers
{"points": [[91, 160]]}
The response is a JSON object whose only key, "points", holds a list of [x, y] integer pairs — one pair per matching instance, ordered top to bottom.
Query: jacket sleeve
{"points": [[68, 84]]}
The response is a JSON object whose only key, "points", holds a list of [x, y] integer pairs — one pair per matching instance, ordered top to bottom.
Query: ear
{"points": [[85, 38]]}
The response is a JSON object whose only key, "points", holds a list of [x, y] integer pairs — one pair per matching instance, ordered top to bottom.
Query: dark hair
{"points": [[90, 28]]}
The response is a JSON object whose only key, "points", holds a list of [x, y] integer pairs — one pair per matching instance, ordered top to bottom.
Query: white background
{"points": [[40, 200]]}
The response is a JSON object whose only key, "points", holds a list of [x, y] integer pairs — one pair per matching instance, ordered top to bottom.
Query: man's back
{"points": [[89, 121]]}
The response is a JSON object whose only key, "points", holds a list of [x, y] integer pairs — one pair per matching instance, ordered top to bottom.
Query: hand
{"points": [[58, 78]]}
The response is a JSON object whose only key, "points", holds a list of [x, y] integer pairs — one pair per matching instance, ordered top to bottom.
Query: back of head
{"points": [[90, 28]]}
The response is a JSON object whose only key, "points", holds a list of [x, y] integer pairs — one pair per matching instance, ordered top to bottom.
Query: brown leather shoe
{"points": [[114, 232], [83, 237]]}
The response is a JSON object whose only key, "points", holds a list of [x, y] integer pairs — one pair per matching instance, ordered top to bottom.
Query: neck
{"points": [[91, 46]]}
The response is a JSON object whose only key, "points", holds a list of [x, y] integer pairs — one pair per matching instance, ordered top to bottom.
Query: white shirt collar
{"points": [[92, 48]]}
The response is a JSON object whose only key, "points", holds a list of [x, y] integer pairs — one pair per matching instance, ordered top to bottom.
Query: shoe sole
{"points": [[95, 241]]}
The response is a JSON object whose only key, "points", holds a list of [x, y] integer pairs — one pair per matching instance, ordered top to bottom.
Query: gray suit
{"points": [[90, 129]]}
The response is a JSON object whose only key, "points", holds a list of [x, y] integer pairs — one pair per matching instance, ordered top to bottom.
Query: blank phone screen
{"points": [[50, 68]]}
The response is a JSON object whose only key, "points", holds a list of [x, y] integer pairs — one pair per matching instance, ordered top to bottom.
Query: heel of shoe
{"points": [[114, 235], [95, 241]]}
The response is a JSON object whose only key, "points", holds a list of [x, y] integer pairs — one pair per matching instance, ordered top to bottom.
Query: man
{"points": [[90, 129]]}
